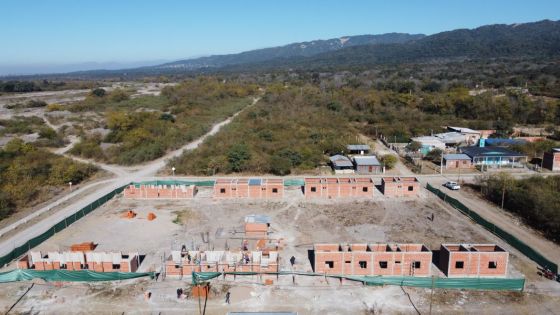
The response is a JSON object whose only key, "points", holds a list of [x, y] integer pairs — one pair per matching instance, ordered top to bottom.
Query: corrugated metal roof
{"points": [[463, 129], [451, 137], [428, 140], [503, 141], [358, 147], [490, 151], [458, 156], [340, 160], [366, 160]]}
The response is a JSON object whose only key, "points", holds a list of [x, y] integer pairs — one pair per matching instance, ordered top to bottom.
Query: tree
{"points": [[98, 92], [414, 146], [434, 155], [238, 156], [389, 161], [280, 165]]}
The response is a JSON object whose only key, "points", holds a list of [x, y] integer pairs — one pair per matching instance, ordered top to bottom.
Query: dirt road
{"points": [[125, 176], [500, 218]]}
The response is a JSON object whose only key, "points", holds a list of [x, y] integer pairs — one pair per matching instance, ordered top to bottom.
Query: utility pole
{"points": [[441, 164], [432, 294]]}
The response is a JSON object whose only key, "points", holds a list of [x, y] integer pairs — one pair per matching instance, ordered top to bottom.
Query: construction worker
{"points": [[293, 260], [227, 297]]}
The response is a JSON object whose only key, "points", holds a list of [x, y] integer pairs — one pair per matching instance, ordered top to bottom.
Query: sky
{"points": [[108, 33]]}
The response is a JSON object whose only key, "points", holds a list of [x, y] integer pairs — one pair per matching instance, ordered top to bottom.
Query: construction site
{"points": [[316, 245]]}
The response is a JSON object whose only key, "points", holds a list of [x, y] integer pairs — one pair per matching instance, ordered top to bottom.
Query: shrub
{"points": [[238, 156], [389, 161]]}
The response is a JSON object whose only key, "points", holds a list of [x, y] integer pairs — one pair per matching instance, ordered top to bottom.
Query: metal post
{"points": [[432, 295]]}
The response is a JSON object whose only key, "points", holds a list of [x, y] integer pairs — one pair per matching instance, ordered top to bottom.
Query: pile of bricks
{"points": [[256, 188], [160, 192], [129, 214], [151, 216], [83, 247], [77, 260]]}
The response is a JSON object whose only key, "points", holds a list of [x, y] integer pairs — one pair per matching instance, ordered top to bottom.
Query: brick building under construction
{"points": [[400, 186], [338, 187], [256, 188], [160, 191], [373, 259], [473, 260]]}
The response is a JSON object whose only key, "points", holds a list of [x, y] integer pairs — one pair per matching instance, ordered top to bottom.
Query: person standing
{"points": [[227, 297]]}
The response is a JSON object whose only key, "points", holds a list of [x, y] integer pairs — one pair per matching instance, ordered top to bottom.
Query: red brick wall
{"points": [[463, 164], [400, 188]]}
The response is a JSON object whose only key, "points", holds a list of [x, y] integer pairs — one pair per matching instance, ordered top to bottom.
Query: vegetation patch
{"points": [[144, 128], [29, 175], [535, 199]]}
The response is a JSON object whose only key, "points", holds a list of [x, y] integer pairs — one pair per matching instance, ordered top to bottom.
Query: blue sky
{"points": [[75, 31]]}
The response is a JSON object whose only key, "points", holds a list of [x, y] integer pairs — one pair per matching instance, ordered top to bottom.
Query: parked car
{"points": [[452, 185]]}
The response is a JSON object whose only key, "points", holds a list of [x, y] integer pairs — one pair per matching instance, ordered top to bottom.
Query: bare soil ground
{"points": [[300, 223]]}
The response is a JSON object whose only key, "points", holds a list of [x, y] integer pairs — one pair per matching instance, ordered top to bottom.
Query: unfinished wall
{"points": [[400, 186], [338, 187], [255, 188], [160, 192], [373, 259], [78, 260], [479, 260], [184, 263]]}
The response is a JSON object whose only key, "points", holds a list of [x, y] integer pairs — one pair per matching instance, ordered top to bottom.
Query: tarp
{"points": [[294, 182], [203, 183], [496, 230], [22, 249], [65, 275], [200, 277], [506, 284]]}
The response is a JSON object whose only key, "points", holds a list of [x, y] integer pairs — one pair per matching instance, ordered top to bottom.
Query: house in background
{"points": [[472, 136], [452, 138], [429, 143], [358, 149], [495, 157], [551, 160], [457, 161], [341, 164], [367, 165]]}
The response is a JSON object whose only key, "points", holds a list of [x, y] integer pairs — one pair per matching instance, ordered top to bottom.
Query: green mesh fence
{"points": [[202, 183], [207, 183], [496, 230], [19, 251], [65, 275], [506, 284]]}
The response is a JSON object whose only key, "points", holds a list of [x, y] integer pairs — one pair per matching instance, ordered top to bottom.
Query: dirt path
{"points": [[399, 168], [125, 176]]}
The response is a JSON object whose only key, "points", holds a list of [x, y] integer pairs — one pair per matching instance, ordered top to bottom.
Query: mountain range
{"points": [[525, 40], [303, 49]]}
